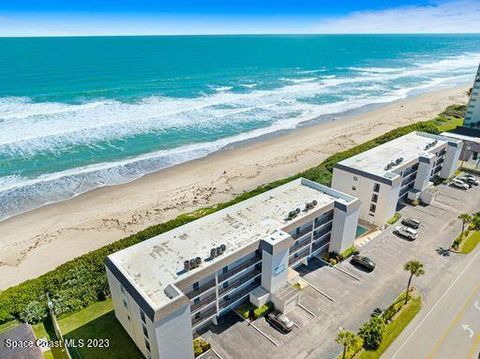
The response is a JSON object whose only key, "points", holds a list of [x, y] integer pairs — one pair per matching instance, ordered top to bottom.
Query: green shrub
{"points": [[394, 219], [83, 280], [244, 310], [261, 311], [34, 312], [372, 333], [200, 346]]}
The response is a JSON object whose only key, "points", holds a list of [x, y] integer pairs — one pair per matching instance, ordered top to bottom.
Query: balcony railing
{"points": [[408, 178], [321, 222], [302, 232], [321, 233], [319, 244], [298, 246], [300, 256], [239, 268], [238, 282], [203, 288], [241, 293], [203, 302], [204, 316]]}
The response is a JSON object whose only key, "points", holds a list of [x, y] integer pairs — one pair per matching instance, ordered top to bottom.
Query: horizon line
{"points": [[239, 34]]}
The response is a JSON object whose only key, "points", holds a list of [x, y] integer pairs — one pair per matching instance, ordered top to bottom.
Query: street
{"points": [[448, 327]]}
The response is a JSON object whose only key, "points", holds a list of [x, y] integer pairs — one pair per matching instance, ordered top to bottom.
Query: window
{"points": [[355, 178], [376, 187], [354, 188], [374, 198], [373, 207], [225, 269], [225, 284], [195, 286], [122, 289], [196, 300], [125, 304], [142, 315], [197, 315], [128, 317], [145, 331], [147, 345]]}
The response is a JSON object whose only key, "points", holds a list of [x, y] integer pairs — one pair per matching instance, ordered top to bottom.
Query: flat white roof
{"points": [[458, 136], [408, 147], [158, 262]]}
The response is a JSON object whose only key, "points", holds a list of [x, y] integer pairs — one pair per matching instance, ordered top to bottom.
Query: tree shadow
{"points": [[445, 252]]}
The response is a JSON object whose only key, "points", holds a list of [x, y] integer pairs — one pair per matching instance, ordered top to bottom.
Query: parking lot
{"points": [[355, 293]]}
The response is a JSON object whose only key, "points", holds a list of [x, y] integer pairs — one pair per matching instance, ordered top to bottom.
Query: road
{"points": [[448, 327]]}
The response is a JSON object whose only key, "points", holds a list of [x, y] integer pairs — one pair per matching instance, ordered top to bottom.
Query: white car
{"points": [[460, 184], [406, 232]]}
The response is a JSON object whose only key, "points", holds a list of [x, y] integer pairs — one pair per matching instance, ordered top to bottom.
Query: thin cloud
{"points": [[444, 17]]}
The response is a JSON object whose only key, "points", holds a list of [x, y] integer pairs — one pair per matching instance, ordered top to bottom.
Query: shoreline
{"points": [[101, 216]]}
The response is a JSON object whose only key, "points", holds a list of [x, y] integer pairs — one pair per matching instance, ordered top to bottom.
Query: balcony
{"points": [[408, 178], [323, 221], [324, 231], [302, 232], [320, 244], [299, 245], [301, 255], [223, 277], [238, 282], [203, 288], [238, 295], [209, 299], [204, 316]]}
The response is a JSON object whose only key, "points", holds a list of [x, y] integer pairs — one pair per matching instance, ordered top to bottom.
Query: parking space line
{"points": [[341, 270], [318, 290], [307, 310], [295, 324], [264, 334]]}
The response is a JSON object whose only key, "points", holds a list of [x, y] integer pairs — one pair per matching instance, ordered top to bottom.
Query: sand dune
{"points": [[38, 241]]}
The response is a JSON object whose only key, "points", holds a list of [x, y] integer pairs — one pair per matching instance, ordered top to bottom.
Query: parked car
{"points": [[468, 175], [470, 181], [460, 184], [411, 222], [406, 232], [364, 262], [280, 321]]}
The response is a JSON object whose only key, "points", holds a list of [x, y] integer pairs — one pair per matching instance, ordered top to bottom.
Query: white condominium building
{"points": [[472, 116], [385, 176], [167, 287]]}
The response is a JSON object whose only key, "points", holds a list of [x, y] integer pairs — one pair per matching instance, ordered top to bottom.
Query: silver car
{"points": [[406, 232]]}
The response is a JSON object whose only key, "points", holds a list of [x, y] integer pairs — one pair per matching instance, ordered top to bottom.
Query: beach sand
{"points": [[38, 241]]}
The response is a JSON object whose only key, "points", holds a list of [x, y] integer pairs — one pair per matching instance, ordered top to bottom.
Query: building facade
{"points": [[472, 116], [387, 175], [167, 288]]}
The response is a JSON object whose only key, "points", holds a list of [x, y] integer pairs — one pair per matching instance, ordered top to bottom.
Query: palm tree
{"points": [[465, 218], [416, 269], [348, 339]]}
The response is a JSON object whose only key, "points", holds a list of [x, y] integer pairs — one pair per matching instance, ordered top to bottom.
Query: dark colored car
{"points": [[412, 223], [363, 262], [280, 321]]}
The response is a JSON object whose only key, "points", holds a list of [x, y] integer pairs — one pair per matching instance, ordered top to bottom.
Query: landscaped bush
{"points": [[394, 219], [82, 281], [245, 309], [261, 311], [34, 312], [372, 333], [200, 346]]}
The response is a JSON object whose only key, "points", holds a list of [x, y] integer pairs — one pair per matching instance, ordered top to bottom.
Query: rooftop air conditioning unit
{"points": [[213, 253], [186, 265]]}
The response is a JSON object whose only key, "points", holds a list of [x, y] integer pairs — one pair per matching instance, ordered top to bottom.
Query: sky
{"points": [[180, 17]]}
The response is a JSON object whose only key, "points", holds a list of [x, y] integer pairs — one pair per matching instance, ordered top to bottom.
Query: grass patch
{"points": [[394, 218], [471, 242], [348, 252], [98, 322], [393, 329]]}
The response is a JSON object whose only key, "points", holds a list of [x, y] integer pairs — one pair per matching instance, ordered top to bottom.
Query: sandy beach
{"points": [[37, 241]]}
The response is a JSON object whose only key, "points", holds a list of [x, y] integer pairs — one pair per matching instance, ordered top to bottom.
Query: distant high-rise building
{"points": [[472, 117]]}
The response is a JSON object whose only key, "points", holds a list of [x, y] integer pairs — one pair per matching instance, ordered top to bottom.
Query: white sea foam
{"points": [[28, 128]]}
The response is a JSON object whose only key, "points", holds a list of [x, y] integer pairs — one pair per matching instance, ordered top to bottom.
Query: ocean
{"points": [[84, 112]]}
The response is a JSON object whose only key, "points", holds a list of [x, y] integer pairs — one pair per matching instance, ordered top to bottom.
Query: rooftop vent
{"points": [[431, 144], [310, 205], [218, 251], [192, 263]]}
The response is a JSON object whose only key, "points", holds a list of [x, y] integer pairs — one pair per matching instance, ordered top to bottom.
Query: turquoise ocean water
{"points": [[80, 113]]}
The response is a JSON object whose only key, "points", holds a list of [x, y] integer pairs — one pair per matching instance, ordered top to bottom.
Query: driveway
{"points": [[355, 299]]}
